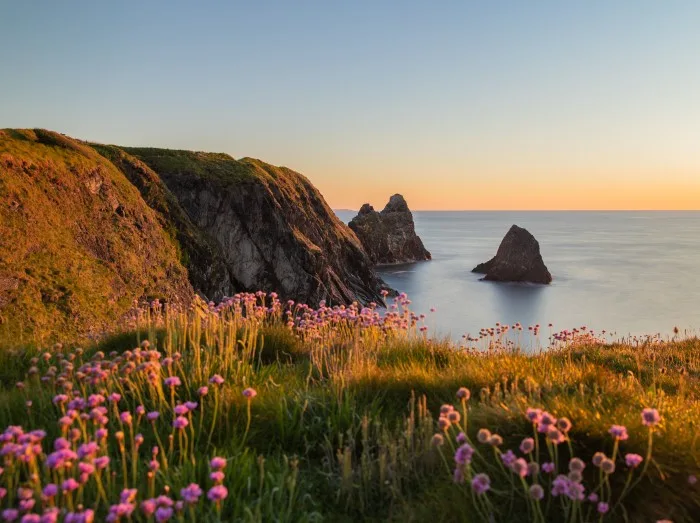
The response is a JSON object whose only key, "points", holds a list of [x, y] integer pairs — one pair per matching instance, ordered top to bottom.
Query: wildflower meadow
{"points": [[260, 410]]}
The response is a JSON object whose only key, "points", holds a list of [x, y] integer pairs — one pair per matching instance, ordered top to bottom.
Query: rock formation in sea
{"points": [[86, 230], [389, 236], [518, 259]]}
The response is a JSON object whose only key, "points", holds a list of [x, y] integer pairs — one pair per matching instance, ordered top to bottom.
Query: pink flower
{"points": [[216, 379], [172, 382], [203, 391], [250, 393], [463, 393], [534, 415], [152, 416], [125, 417], [650, 417], [180, 422], [619, 432], [527, 445], [464, 453], [508, 458], [633, 460], [217, 463], [519, 467], [548, 467], [217, 476], [481, 483], [70, 485], [191, 493], [217, 493], [148, 507], [603, 507], [164, 514]]}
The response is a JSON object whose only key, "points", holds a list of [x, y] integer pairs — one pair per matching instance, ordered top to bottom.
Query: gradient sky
{"points": [[456, 105]]}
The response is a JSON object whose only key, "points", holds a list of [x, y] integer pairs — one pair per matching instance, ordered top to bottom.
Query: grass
{"points": [[344, 421]]}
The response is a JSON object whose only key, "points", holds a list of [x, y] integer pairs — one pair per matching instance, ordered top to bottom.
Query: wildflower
{"points": [[216, 379], [172, 382], [203, 391], [250, 393], [463, 394], [114, 397], [191, 405], [140, 410], [181, 410], [534, 415], [152, 416], [454, 416], [125, 417], [650, 417], [180, 422], [444, 423], [563, 424], [619, 432], [483, 436], [555, 436], [461, 438], [495, 440], [437, 441], [527, 445], [463, 455], [508, 458], [598, 458], [633, 460], [101, 462], [217, 463], [575, 464], [607, 466], [519, 467], [548, 467], [533, 468], [217, 476], [458, 476], [575, 476], [692, 480], [481, 483], [69, 485], [560, 485], [50, 490], [536, 492], [191, 493], [217, 493], [128, 495], [593, 497], [148, 507], [603, 507], [10, 514], [164, 514]]}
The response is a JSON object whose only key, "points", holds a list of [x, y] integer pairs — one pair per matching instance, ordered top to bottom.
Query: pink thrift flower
{"points": [[216, 379], [250, 393], [650, 417], [180, 422], [619, 432], [633, 460], [217, 463], [481, 483], [191, 493], [217, 493]]}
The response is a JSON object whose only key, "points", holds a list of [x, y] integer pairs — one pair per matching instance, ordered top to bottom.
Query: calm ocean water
{"points": [[624, 272]]}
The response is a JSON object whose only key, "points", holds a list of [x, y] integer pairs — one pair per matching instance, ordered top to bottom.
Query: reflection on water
{"points": [[628, 272]]}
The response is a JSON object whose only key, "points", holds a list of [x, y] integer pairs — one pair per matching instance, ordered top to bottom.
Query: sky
{"points": [[455, 105]]}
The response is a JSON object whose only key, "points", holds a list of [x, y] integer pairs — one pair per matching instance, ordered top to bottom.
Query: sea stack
{"points": [[389, 236], [518, 259]]}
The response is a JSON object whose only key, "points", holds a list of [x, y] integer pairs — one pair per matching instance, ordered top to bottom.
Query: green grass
{"points": [[341, 427]]}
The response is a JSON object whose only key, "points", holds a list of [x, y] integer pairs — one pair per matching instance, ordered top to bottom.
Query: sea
{"points": [[626, 273]]}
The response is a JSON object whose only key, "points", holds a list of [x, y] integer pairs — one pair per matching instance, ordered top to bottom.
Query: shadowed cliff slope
{"points": [[272, 227], [78, 244]]}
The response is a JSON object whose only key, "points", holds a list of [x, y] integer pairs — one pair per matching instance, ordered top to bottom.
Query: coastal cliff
{"points": [[86, 230]]}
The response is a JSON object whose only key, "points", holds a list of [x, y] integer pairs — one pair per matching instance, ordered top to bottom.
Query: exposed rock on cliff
{"points": [[271, 226], [389, 236], [77, 242], [518, 259]]}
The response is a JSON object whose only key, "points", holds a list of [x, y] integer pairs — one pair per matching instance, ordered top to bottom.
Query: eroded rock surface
{"points": [[389, 236], [518, 259]]}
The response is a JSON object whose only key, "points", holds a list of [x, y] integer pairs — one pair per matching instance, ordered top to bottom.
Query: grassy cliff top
{"points": [[338, 418]]}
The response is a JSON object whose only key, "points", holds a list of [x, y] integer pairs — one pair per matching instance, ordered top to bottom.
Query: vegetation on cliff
{"points": [[77, 242], [256, 410]]}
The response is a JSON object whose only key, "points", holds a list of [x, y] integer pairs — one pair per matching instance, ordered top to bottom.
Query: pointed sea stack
{"points": [[389, 236], [518, 259]]}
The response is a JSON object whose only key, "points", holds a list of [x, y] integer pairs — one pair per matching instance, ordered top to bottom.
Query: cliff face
{"points": [[272, 227], [389, 236], [78, 244]]}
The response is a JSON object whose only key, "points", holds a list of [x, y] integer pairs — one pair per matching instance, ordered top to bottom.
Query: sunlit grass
{"points": [[332, 414]]}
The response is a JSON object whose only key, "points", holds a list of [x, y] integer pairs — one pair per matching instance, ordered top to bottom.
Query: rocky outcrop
{"points": [[271, 226], [389, 236], [78, 244], [518, 259]]}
